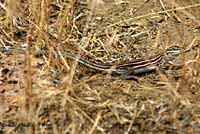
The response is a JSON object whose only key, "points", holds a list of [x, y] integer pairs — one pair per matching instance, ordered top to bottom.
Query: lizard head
{"points": [[174, 51]]}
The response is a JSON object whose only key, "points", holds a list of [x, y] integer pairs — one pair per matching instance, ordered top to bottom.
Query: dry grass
{"points": [[47, 94]]}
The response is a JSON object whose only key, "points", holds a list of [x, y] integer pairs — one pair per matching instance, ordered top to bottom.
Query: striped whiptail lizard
{"points": [[127, 70]]}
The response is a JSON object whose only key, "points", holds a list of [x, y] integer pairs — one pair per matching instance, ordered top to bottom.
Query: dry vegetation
{"points": [[52, 94]]}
